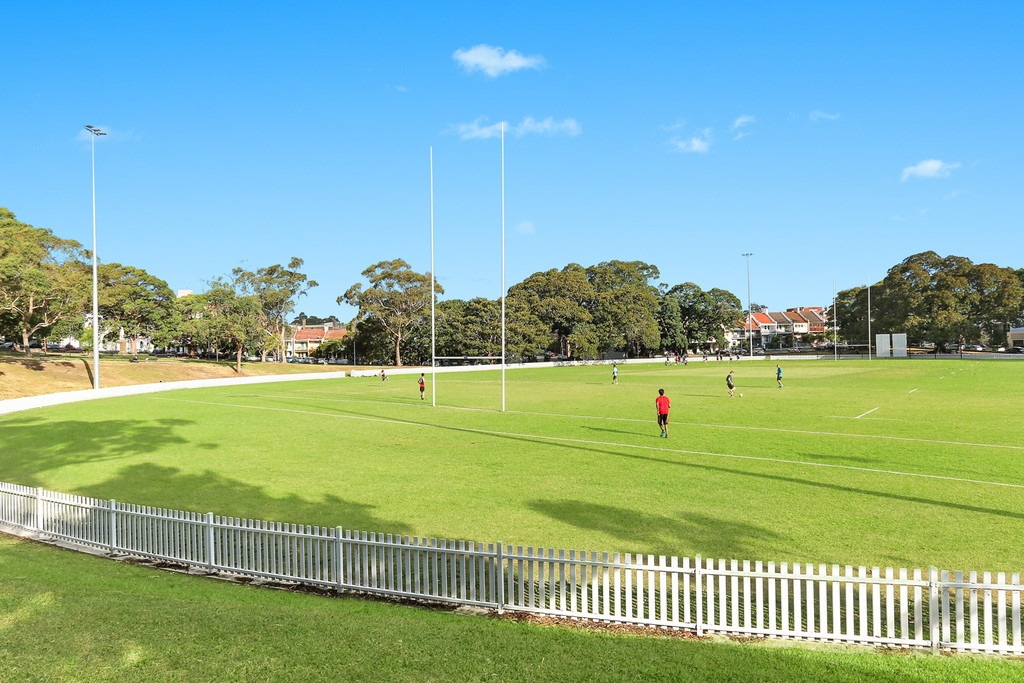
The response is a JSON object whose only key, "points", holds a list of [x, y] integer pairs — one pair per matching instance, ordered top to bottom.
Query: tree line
{"points": [[944, 300], [575, 311]]}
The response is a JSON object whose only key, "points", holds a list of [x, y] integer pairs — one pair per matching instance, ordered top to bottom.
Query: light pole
{"points": [[95, 132], [750, 313]]}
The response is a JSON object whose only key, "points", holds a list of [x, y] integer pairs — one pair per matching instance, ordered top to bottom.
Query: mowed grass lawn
{"points": [[885, 463]]}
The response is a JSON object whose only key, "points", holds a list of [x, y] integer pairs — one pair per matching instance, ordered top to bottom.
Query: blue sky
{"points": [[831, 140]]}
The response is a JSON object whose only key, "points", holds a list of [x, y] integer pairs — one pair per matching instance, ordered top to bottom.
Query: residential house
{"points": [[306, 339]]}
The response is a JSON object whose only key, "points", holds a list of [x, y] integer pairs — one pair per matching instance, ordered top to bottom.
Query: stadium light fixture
{"points": [[94, 133]]}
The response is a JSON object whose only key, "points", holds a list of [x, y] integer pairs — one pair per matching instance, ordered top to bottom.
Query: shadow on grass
{"points": [[32, 445], [811, 484], [159, 486], [714, 536]]}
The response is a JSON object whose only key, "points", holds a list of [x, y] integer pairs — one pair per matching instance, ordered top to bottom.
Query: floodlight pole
{"points": [[95, 132], [502, 266], [750, 311]]}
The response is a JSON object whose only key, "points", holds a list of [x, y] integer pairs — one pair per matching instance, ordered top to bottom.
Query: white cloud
{"points": [[495, 61], [819, 115], [744, 120], [549, 126], [740, 126], [477, 130], [481, 130], [699, 143], [929, 168], [525, 228]]}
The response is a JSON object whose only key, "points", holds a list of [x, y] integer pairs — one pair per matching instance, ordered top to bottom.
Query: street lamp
{"points": [[95, 132], [750, 313]]}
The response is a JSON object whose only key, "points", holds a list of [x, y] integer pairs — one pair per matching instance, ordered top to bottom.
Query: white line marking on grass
{"points": [[912, 391], [867, 413], [781, 430], [588, 442]]}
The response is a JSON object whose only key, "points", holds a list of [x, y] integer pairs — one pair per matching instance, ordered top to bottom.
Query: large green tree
{"points": [[43, 279], [276, 287], [935, 298], [397, 299], [562, 300], [140, 304], [625, 306], [705, 315]]}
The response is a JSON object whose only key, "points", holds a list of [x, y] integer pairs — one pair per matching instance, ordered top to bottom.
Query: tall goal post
{"points": [[433, 294]]}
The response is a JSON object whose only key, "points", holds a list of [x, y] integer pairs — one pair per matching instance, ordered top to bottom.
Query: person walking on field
{"points": [[615, 373], [778, 375], [729, 383], [423, 387], [662, 404]]}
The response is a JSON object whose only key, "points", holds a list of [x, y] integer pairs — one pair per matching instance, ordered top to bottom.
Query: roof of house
{"points": [[795, 316], [813, 316], [780, 318], [763, 319], [318, 334]]}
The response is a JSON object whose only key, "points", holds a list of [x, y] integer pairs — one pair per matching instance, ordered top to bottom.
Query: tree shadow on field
{"points": [[31, 445], [687, 460], [168, 487], [658, 533]]}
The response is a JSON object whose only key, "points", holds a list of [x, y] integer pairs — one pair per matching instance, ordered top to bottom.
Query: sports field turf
{"points": [[888, 463]]}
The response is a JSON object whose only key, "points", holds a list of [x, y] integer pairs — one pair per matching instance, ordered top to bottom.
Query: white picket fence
{"points": [[939, 610]]}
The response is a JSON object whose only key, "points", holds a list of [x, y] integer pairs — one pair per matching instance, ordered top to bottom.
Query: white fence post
{"points": [[39, 509], [111, 525], [209, 542], [699, 574], [499, 575], [339, 578], [933, 609]]}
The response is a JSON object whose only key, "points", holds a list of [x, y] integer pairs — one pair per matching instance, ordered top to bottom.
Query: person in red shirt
{"points": [[423, 386], [662, 404]]}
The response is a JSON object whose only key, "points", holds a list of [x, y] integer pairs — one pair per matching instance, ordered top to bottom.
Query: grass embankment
{"points": [[22, 375], [71, 617]]}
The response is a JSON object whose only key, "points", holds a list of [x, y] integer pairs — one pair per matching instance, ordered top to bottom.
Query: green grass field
{"points": [[902, 464], [71, 617]]}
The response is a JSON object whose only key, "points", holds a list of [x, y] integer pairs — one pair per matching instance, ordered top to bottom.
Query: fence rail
{"points": [[938, 610]]}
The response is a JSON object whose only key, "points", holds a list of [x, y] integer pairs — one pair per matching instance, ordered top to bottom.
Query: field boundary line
{"points": [[590, 442]]}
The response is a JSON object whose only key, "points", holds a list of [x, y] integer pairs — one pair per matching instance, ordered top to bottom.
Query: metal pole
{"points": [[93, 133], [502, 266], [433, 296], [750, 312], [869, 322], [835, 324]]}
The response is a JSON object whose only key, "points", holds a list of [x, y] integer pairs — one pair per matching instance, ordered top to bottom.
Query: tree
{"points": [[43, 279], [276, 288], [398, 300], [562, 300], [141, 304], [625, 307], [706, 315], [235, 320], [670, 323]]}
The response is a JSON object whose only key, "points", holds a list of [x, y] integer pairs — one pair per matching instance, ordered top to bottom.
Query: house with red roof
{"points": [[306, 339]]}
